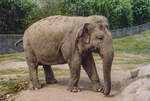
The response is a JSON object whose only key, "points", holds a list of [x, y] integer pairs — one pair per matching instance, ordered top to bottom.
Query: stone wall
{"points": [[130, 30], [7, 41], [7, 44]]}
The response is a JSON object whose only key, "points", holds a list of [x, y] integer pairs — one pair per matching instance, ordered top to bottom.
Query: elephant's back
{"points": [[53, 28]]}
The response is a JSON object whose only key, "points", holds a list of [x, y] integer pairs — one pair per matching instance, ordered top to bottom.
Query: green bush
{"points": [[78, 7], [43, 9], [141, 11], [118, 12], [14, 15]]}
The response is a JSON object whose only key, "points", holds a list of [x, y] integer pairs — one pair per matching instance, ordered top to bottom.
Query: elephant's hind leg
{"points": [[90, 68], [33, 71], [49, 75]]}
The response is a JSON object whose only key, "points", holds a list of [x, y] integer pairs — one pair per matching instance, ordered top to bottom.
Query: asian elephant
{"points": [[62, 39]]}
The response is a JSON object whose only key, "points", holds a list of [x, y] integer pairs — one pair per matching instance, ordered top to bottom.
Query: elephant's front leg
{"points": [[75, 67], [90, 68], [49, 75]]}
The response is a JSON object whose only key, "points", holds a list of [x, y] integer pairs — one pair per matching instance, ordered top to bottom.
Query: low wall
{"points": [[130, 30], [7, 41], [7, 44]]}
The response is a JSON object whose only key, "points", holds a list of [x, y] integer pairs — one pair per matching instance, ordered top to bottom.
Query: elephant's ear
{"points": [[85, 31]]}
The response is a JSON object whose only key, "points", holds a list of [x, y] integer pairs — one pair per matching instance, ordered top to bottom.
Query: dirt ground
{"points": [[58, 92]]}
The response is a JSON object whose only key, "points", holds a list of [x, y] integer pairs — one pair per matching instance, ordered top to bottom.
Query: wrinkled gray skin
{"points": [[60, 39]]}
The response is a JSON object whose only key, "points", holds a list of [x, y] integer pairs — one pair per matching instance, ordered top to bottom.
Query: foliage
{"points": [[78, 7], [43, 9], [141, 11], [118, 12], [14, 15]]}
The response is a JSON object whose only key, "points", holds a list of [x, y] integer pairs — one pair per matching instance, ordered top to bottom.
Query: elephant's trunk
{"points": [[108, 53], [107, 62]]}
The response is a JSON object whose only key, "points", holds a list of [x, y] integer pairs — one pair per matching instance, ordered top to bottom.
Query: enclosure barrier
{"points": [[130, 30], [7, 41]]}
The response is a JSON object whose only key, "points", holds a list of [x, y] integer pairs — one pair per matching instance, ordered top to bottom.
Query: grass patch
{"points": [[139, 43], [12, 57], [138, 61], [129, 67], [13, 71], [15, 84]]}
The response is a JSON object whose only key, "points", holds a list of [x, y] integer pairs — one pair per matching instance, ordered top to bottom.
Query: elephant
{"points": [[69, 39]]}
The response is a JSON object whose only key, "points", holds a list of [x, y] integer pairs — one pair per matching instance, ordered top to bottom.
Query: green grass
{"points": [[138, 44], [12, 57], [138, 61], [13, 71], [18, 79]]}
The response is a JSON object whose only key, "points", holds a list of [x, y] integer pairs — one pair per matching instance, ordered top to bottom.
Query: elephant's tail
{"points": [[17, 42]]}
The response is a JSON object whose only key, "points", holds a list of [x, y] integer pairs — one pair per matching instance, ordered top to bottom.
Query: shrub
{"points": [[43, 9], [141, 11], [118, 12], [14, 15]]}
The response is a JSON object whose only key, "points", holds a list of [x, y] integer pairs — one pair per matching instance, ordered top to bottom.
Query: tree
{"points": [[43, 9], [141, 11], [118, 12], [14, 15]]}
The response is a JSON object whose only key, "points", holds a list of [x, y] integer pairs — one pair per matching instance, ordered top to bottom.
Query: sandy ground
{"points": [[58, 92]]}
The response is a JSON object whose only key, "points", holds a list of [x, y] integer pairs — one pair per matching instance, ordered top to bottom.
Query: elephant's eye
{"points": [[107, 26], [101, 27], [100, 37]]}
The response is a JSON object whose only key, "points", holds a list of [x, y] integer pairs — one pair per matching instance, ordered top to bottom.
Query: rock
{"points": [[144, 71], [140, 72], [134, 73], [126, 79], [138, 90], [143, 96]]}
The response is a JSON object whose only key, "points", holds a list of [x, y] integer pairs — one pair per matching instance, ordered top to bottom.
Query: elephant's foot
{"points": [[51, 81], [35, 86], [98, 88], [74, 89], [106, 92]]}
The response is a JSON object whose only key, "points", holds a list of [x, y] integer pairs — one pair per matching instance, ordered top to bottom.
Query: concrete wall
{"points": [[130, 30], [7, 41], [7, 44]]}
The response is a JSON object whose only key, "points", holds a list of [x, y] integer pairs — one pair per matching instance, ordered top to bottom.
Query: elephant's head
{"points": [[95, 36]]}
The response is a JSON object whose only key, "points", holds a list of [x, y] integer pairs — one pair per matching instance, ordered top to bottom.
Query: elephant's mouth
{"points": [[93, 49], [96, 50]]}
